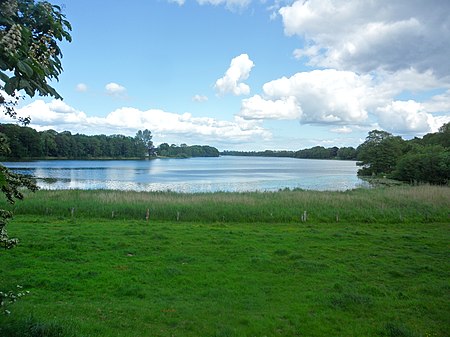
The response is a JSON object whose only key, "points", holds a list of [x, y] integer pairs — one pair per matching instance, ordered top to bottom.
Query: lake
{"points": [[226, 173]]}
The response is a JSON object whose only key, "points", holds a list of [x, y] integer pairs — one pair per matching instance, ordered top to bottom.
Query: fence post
{"points": [[304, 216]]}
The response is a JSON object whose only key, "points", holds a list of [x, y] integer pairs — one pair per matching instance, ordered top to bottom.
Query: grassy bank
{"points": [[381, 205], [224, 269]]}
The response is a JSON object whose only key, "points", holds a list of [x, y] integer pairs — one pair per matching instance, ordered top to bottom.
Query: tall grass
{"points": [[386, 205], [234, 264]]}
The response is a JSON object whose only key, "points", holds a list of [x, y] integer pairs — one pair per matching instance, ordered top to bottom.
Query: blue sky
{"points": [[252, 74]]}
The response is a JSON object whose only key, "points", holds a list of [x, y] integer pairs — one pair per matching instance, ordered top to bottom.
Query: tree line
{"points": [[26, 143], [186, 151], [316, 152], [424, 159]]}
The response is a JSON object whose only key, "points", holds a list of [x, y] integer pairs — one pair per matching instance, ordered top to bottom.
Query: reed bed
{"points": [[387, 205]]}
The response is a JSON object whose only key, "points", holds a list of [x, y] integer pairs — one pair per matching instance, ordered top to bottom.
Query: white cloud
{"points": [[179, 2], [231, 4], [368, 35], [238, 71], [409, 80], [81, 87], [115, 89], [321, 96], [200, 98], [344, 99], [439, 103], [258, 108], [54, 113], [409, 117], [437, 121], [166, 126], [342, 129]]}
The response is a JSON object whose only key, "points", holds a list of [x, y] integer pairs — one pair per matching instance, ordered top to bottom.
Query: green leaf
{"points": [[3, 65], [25, 68], [4, 77], [11, 85], [26, 85], [53, 92], [2, 179]]}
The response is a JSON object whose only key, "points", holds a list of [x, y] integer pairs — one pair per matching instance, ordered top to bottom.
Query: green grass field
{"points": [[365, 263]]}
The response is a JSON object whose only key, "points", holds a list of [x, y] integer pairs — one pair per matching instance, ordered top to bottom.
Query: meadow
{"points": [[372, 262]]}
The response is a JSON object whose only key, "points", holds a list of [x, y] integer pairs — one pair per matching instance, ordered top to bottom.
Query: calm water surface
{"points": [[233, 174]]}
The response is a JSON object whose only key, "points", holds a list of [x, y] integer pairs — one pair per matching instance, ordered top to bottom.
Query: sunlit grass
{"points": [[234, 264]]}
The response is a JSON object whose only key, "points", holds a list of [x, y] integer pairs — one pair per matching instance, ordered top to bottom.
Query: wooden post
{"points": [[72, 211], [112, 215], [147, 215], [178, 216], [304, 216], [337, 217]]}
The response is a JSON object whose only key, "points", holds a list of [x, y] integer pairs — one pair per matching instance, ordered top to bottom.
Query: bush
{"points": [[430, 164], [30, 327]]}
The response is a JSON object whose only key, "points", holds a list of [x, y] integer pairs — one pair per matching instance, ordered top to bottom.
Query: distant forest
{"points": [[27, 143], [186, 151], [316, 152]]}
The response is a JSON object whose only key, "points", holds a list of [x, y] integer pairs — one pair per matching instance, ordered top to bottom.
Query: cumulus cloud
{"points": [[368, 35], [238, 71], [81, 87], [115, 89], [319, 96], [200, 98], [344, 98], [439, 103], [258, 108], [60, 116], [409, 117]]}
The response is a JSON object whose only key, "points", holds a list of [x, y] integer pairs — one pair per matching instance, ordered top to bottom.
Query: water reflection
{"points": [[233, 174]]}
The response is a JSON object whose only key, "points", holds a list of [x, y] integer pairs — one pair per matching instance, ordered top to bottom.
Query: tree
{"points": [[30, 55], [29, 58], [145, 138], [439, 138], [48, 142], [163, 150], [185, 151], [346, 153], [379, 153], [428, 164]]}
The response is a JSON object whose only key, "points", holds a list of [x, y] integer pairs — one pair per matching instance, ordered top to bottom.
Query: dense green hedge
{"points": [[416, 160]]}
